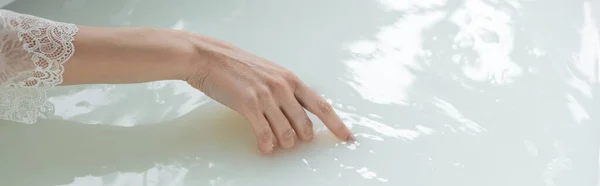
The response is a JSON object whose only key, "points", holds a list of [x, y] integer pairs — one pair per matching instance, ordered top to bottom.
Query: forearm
{"points": [[129, 55]]}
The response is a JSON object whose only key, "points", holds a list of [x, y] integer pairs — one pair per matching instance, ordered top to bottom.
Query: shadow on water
{"points": [[54, 152]]}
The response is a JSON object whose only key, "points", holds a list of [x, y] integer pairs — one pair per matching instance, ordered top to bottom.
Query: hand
{"points": [[270, 97]]}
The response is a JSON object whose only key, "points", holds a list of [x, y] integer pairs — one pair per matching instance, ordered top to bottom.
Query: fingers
{"points": [[318, 106], [296, 115], [280, 116], [281, 126], [264, 135]]}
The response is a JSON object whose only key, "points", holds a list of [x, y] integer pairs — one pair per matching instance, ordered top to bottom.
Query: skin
{"points": [[269, 96]]}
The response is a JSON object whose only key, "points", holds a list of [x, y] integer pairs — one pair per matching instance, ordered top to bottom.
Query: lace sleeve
{"points": [[32, 53]]}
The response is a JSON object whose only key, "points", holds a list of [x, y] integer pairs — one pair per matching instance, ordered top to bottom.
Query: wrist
{"points": [[200, 53], [187, 60]]}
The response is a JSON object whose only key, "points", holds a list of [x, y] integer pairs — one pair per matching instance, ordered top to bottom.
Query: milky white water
{"points": [[438, 92]]}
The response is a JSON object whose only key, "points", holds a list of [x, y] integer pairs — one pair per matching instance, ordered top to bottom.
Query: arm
{"points": [[128, 55], [270, 97]]}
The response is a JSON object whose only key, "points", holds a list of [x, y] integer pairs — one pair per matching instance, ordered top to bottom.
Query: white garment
{"points": [[32, 53]]}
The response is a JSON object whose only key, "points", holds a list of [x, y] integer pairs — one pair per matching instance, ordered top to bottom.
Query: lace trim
{"points": [[33, 68], [24, 105]]}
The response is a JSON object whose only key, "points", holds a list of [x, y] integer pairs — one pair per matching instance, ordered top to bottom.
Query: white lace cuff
{"points": [[32, 53]]}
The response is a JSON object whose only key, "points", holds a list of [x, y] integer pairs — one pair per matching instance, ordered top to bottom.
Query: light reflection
{"points": [[179, 25], [488, 31], [537, 52], [589, 54], [379, 70], [579, 84], [83, 102], [87, 104], [577, 111], [375, 116], [128, 120], [467, 124], [378, 127], [425, 130], [368, 136], [351, 146], [558, 164], [307, 166], [346, 167], [367, 174], [158, 175]]}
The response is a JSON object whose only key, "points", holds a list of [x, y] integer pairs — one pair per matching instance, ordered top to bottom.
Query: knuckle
{"points": [[290, 77], [277, 83], [263, 93], [250, 95], [251, 100], [325, 107], [308, 122], [309, 127]]}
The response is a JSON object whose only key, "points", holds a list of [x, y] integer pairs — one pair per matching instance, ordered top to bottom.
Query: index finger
{"points": [[323, 110]]}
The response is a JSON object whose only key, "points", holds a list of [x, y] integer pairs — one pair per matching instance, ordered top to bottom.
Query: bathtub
{"points": [[437, 92]]}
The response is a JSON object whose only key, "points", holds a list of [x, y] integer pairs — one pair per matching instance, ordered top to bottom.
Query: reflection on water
{"points": [[488, 33], [376, 63], [438, 92], [89, 104], [158, 175]]}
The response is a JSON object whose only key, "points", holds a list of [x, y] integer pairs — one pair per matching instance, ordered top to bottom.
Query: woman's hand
{"points": [[270, 97]]}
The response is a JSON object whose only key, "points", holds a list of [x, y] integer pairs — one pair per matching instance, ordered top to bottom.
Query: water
{"points": [[438, 92]]}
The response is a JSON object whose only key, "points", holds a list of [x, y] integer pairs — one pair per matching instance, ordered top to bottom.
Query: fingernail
{"points": [[351, 139]]}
